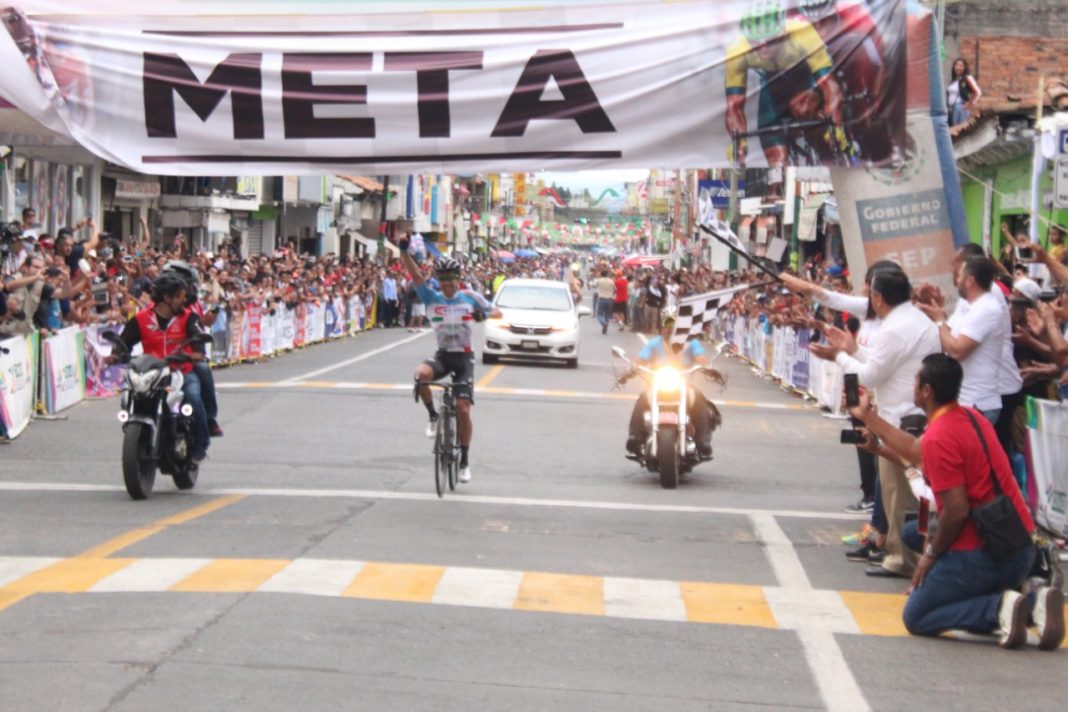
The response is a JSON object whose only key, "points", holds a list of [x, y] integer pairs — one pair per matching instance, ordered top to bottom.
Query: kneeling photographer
{"points": [[982, 550]]}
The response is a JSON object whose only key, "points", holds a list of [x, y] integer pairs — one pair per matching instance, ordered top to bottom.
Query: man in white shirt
{"points": [[976, 336], [888, 367]]}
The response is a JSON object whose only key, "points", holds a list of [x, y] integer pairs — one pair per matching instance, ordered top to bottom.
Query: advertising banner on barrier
{"points": [[233, 88], [315, 322], [237, 327], [251, 335], [63, 368], [18, 380], [101, 380], [1048, 439]]}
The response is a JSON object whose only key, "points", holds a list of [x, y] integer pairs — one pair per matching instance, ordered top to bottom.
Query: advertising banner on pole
{"points": [[233, 88], [912, 213], [64, 370], [18, 380], [101, 380]]}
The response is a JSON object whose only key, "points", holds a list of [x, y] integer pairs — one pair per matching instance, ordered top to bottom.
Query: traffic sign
{"points": [[1062, 142], [1060, 183]]}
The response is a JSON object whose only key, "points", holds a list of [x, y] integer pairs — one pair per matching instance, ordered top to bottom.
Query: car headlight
{"points": [[667, 380], [141, 382]]}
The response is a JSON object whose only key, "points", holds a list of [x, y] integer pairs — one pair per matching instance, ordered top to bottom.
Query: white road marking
{"points": [[355, 359], [457, 500], [13, 568], [150, 575], [314, 577], [483, 588], [643, 599], [837, 686]]}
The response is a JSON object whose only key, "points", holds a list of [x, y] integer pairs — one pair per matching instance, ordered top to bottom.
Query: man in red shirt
{"points": [[619, 303], [957, 585]]}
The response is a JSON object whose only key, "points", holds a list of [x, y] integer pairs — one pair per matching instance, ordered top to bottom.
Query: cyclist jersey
{"points": [[799, 44], [856, 46], [451, 319], [655, 351]]}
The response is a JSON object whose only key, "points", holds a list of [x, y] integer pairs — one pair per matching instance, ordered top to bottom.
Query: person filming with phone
{"points": [[982, 550]]}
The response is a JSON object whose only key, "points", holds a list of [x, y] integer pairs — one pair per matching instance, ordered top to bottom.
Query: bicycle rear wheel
{"points": [[451, 446], [441, 463]]}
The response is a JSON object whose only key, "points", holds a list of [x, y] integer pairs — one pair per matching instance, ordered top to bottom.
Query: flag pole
{"points": [[741, 253]]}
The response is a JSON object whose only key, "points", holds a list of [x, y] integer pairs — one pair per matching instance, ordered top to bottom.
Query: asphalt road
{"points": [[313, 567]]}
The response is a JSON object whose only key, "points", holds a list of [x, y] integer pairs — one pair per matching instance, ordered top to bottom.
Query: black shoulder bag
{"points": [[998, 521]]}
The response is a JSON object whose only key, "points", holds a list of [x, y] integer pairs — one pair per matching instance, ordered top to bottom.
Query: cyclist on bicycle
{"points": [[858, 49], [796, 80], [451, 312]]}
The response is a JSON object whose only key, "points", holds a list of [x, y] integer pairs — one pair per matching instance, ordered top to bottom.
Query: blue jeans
{"points": [[604, 312], [207, 389], [192, 392], [992, 415], [878, 512], [962, 590]]}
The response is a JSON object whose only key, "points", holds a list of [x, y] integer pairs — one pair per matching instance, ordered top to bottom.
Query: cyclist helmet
{"points": [[818, 9], [764, 20], [447, 265], [166, 285]]}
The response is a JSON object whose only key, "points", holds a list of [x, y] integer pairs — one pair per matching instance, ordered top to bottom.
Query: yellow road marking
{"points": [[490, 375], [132, 537], [82, 571], [74, 575], [231, 576], [396, 582], [561, 593], [727, 604], [876, 613]]}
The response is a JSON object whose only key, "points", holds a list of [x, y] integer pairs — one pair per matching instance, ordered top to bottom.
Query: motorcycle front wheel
{"points": [[667, 456], [138, 465]]}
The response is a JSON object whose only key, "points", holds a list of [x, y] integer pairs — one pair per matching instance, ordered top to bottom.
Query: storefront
{"points": [[128, 198]]}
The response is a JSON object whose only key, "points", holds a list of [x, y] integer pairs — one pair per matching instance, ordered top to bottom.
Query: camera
{"points": [[1024, 254], [52, 272], [851, 437]]}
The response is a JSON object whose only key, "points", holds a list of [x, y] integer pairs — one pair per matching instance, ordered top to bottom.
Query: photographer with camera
{"points": [[28, 292], [887, 367], [982, 550]]}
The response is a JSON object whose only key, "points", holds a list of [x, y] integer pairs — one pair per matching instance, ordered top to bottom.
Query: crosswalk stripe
{"points": [[16, 567], [75, 575], [149, 575], [230, 576], [314, 577], [396, 582], [484, 588], [561, 593], [643, 599], [728, 604], [876, 613]]}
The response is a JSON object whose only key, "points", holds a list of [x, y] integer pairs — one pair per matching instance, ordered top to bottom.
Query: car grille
{"points": [[530, 330]]}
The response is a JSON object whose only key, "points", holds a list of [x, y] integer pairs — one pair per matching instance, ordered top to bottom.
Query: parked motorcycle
{"points": [[157, 426], [671, 449]]}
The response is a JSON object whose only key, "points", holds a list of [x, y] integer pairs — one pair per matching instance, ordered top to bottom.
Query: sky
{"points": [[595, 181]]}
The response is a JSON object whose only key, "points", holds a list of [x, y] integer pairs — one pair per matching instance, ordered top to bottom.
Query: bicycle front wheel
{"points": [[451, 444], [441, 463]]}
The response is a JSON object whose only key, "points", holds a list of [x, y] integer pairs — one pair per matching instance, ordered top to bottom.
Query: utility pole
{"points": [[382, 226]]}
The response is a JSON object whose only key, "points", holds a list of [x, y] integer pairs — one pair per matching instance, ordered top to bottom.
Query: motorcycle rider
{"points": [[207, 319], [163, 329], [659, 350]]}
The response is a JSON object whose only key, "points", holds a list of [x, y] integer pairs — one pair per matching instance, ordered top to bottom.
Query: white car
{"points": [[539, 320]]}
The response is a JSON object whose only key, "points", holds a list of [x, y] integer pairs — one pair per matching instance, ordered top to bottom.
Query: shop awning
{"points": [[18, 129], [365, 183], [134, 188], [830, 211], [809, 217]]}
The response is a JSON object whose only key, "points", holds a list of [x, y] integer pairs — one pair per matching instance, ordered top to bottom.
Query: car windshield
{"points": [[531, 297]]}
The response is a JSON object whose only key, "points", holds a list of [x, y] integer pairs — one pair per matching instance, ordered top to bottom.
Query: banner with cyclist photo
{"points": [[234, 88]]}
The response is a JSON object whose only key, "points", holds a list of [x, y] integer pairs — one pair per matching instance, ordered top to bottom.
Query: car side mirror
{"points": [[584, 311], [618, 352]]}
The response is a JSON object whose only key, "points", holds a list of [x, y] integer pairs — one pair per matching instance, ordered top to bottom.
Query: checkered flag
{"points": [[699, 310]]}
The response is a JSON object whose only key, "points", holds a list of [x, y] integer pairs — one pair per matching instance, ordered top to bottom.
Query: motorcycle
{"points": [[157, 426], [671, 449]]}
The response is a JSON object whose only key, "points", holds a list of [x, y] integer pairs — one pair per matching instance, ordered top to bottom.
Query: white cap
{"points": [[1028, 288]]}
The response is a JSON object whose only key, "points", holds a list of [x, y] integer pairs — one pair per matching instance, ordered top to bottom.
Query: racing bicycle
{"points": [[446, 437]]}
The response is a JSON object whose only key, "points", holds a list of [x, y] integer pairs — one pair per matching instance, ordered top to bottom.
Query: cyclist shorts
{"points": [[775, 96], [461, 365]]}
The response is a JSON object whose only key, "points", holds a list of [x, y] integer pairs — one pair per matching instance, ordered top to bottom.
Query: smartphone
{"points": [[1024, 254], [127, 258], [52, 272], [852, 390], [851, 437]]}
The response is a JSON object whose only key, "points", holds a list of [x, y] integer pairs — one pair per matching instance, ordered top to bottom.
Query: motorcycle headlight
{"points": [[667, 380], [141, 382]]}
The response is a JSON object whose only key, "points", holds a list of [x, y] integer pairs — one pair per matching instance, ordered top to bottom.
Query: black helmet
{"points": [[12, 232], [447, 265], [189, 274], [168, 284]]}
